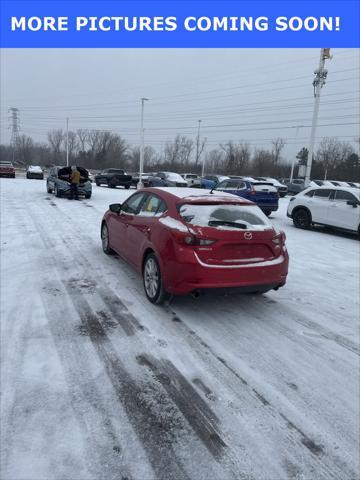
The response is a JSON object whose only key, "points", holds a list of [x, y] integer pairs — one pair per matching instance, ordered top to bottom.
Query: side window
{"points": [[322, 193], [310, 194], [345, 196], [132, 205], [153, 206]]}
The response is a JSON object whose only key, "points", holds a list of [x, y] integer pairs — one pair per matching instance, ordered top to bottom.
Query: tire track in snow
{"points": [[92, 324], [337, 469]]}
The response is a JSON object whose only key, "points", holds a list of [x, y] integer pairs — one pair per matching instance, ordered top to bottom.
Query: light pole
{"points": [[318, 83], [67, 141], [293, 162], [141, 167]]}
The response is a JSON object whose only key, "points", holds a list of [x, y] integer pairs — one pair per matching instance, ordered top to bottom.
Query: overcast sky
{"points": [[251, 95]]}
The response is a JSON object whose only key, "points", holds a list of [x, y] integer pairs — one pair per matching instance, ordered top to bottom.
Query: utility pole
{"points": [[318, 83], [15, 128], [67, 141], [198, 143], [293, 162], [141, 167]]}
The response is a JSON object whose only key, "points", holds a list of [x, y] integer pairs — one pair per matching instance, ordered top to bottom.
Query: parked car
{"points": [[7, 169], [34, 171], [113, 177], [171, 179], [191, 179], [149, 180], [210, 181], [58, 182], [295, 186], [281, 187], [264, 194], [332, 206], [186, 240]]}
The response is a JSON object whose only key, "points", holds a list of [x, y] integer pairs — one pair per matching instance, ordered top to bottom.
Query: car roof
{"points": [[194, 195]]}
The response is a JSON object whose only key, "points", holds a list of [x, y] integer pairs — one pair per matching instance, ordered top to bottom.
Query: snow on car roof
{"points": [[199, 194]]}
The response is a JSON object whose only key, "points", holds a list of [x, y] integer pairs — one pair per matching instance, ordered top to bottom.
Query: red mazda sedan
{"points": [[184, 240]]}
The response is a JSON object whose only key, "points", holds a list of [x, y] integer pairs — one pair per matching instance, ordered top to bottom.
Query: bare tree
{"points": [[82, 138], [56, 139], [278, 145], [178, 152], [332, 152], [237, 157]]}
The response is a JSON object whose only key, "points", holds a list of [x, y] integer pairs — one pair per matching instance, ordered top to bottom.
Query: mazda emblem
{"points": [[248, 235]]}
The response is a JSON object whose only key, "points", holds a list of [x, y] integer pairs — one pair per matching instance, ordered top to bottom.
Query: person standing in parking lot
{"points": [[74, 183]]}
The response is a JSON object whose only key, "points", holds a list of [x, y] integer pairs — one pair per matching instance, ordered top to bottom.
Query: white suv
{"points": [[334, 206]]}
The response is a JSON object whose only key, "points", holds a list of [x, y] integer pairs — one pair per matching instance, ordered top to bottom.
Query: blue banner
{"points": [[183, 24]]}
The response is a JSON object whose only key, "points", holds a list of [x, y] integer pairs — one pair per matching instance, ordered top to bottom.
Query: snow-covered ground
{"points": [[97, 383]]}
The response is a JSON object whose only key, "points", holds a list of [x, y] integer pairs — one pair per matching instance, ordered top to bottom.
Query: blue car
{"points": [[211, 181], [264, 194]]}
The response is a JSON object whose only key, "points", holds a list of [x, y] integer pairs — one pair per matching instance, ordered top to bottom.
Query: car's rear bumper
{"points": [[7, 174], [39, 176], [81, 190], [184, 277]]}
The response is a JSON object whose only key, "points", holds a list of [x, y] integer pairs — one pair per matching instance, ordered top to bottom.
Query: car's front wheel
{"points": [[49, 189], [57, 191], [88, 195], [301, 218], [105, 240], [153, 282]]}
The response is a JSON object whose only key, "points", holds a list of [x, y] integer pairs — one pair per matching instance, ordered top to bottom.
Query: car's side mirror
{"points": [[353, 203], [115, 208]]}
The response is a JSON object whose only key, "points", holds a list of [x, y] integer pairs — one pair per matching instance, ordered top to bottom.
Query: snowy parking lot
{"points": [[98, 383]]}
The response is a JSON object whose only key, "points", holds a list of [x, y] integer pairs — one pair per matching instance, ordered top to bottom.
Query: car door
{"points": [[319, 204], [341, 214], [118, 223], [140, 228]]}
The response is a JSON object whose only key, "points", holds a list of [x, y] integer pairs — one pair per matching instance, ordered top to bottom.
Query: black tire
{"points": [[27, 176], [98, 184], [110, 185], [49, 190], [57, 191], [88, 195], [301, 218], [105, 240], [152, 280]]}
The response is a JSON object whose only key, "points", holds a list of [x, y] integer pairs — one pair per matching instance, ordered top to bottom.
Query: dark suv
{"points": [[58, 181]]}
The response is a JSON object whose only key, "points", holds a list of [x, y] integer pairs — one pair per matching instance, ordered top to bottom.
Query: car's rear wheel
{"points": [[97, 184], [127, 187], [49, 190], [57, 191], [88, 195], [301, 218], [105, 240], [153, 282]]}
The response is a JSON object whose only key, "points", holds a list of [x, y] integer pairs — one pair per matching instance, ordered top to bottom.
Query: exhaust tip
{"points": [[195, 294]]}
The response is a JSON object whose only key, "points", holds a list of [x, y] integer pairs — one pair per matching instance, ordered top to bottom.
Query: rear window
{"points": [[114, 170], [264, 187], [225, 216]]}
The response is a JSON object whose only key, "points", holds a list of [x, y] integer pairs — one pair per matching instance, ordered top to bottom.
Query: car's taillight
{"points": [[251, 191], [189, 239]]}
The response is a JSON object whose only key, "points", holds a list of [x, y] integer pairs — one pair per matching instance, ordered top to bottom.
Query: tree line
{"points": [[95, 149]]}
